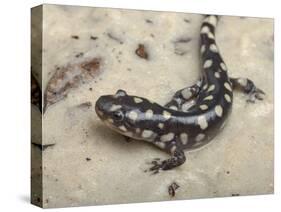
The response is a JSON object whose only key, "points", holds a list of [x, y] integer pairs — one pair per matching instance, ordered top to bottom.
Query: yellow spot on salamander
{"points": [[208, 64], [227, 86], [211, 88], [208, 97], [227, 98], [137, 100], [203, 107], [218, 110], [149, 114], [166, 114], [133, 115], [202, 122], [147, 133], [167, 137], [184, 138]]}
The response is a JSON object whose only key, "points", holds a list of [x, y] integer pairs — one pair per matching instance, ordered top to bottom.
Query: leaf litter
{"points": [[70, 77]]}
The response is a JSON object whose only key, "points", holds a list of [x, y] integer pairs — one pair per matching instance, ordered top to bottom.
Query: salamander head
{"points": [[122, 113]]}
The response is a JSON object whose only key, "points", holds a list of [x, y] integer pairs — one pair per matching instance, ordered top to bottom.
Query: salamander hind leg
{"points": [[248, 87], [183, 99], [177, 159]]}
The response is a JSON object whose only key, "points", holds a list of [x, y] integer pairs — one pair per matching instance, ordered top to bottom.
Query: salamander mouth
{"points": [[99, 113], [119, 129], [122, 129]]}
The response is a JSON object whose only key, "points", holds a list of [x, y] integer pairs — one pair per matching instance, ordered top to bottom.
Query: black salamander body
{"points": [[193, 116]]}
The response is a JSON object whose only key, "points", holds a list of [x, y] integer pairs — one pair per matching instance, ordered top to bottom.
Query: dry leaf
{"points": [[69, 77]]}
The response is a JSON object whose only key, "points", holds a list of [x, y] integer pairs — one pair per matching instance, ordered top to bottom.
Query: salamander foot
{"points": [[248, 87], [255, 94], [177, 159]]}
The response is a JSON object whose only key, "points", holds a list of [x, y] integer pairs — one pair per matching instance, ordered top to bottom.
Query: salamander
{"points": [[193, 117]]}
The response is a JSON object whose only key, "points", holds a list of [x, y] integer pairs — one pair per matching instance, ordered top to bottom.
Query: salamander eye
{"points": [[118, 116]]}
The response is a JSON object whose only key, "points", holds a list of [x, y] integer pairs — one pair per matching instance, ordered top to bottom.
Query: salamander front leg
{"points": [[248, 87], [177, 159]]}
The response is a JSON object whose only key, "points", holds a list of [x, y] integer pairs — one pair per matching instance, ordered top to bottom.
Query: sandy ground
{"points": [[90, 165]]}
